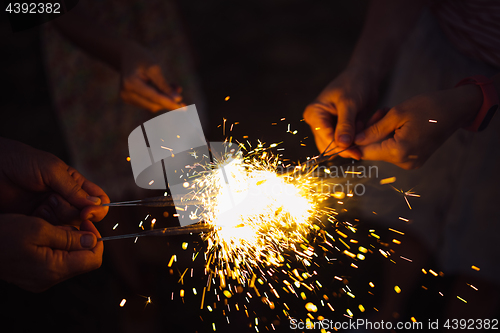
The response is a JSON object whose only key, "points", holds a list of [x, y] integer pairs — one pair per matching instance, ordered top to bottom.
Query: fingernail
{"points": [[360, 137], [345, 138], [94, 199], [53, 202], [87, 240]]}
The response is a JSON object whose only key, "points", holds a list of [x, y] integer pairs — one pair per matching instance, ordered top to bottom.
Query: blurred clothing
{"points": [[473, 26], [28, 114], [95, 122], [456, 216]]}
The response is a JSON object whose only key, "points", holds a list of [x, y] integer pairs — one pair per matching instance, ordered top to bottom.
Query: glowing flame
{"points": [[256, 213]]}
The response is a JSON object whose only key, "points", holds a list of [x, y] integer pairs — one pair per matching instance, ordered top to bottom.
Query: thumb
{"points": [[155, 74], [320, 120], [345, 130], [378, 131], [62, 238]]}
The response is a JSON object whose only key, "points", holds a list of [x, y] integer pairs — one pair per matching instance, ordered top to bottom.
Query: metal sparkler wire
{"points": [[164, 201], [194, 228]]}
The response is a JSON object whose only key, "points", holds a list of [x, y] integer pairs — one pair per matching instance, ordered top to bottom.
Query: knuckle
{"points": [[350, 102], [309, 111], [397, 111], [315, 116], [345, 127], [374, 131], [401, 154], [53, 163], [74, 190], [37, 228], [69, 240]]}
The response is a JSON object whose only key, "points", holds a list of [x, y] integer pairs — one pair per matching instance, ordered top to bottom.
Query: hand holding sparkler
{"points": [[142, 80], [143, 83], [354, 92], [345, 98], [411, 131], [33, 182], [36, 255]]}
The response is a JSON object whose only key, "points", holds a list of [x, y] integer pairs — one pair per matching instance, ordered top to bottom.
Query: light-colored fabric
{"points": [[473, 26], [96, 123], [457, 216]]}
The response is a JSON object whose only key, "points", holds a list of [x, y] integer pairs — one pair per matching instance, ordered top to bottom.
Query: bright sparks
{"points": [[257, 213]]}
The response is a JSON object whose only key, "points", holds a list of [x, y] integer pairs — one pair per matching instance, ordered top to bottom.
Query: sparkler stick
{"points": [[323, 157], [163, 201], [168, 201], [196, 228]]}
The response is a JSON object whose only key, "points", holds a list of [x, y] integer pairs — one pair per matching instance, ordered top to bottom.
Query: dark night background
{"points": [[271, 57]]}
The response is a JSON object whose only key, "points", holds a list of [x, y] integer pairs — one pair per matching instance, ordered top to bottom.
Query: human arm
{"points": [[142, 79], [352, 93], [406, 137], [33, 182], [36, 255]]}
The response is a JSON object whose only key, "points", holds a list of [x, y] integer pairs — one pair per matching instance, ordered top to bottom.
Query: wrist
{"points": [[377, 70], [368, 73], [496, 84], [472, 101], [479, 117]]}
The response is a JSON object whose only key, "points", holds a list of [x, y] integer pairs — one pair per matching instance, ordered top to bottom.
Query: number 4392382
{"points": [[33, 8]]}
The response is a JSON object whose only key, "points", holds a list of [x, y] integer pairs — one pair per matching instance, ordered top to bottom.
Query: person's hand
{"points": [[143, 83], [347, 97], [410, 132], [34, 182], [36, 255]]}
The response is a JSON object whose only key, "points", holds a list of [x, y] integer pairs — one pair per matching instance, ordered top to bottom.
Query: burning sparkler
{"points": [[256, 213], [268, 232]]}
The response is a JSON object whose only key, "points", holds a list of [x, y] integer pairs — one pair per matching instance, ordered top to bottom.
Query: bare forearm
{"points": [[387, 25]]}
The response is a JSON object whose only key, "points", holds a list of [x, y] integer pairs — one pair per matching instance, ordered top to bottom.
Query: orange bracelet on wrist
{"points": [[490, 101]]}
